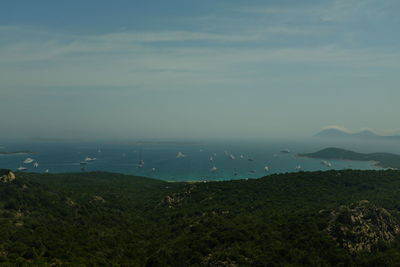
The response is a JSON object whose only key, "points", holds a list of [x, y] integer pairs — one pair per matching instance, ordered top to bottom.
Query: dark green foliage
{"points": [[106, 219]]}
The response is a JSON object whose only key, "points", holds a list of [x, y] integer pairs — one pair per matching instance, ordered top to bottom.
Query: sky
{"points": [[183, 69]]}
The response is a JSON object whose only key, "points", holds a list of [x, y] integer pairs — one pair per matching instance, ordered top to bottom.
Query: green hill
{"points": [[385, 160], [294, 219]]}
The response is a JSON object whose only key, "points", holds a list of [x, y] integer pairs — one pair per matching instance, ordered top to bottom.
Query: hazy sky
{"points": [[197, 69]]}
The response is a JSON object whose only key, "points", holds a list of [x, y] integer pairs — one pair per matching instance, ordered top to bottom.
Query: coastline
{"points": [[17, 153], [373, 163]]}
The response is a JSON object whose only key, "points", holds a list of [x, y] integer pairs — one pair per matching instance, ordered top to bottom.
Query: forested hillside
{"points": [[332, 218]]}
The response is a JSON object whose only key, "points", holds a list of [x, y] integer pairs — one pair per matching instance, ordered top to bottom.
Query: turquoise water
{"points": [[195, 166]]}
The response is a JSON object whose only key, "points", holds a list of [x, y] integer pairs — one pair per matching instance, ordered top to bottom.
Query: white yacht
{"points": [[180, 155], [90, 159], [28, 160], [20, 168], [266, 168], [214, 169]]}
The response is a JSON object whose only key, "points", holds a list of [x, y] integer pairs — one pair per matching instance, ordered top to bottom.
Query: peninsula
{"points": [[22, 152], [384, 160]]}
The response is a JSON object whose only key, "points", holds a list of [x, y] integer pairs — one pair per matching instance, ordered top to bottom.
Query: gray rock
{"points": [[361, 226]]}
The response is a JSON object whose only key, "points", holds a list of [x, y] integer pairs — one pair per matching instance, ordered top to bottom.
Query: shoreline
{"points": [[17, 153], [374, 163]]}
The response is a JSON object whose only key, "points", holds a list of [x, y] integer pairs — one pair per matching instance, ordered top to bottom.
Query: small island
{"points": [[22, 152], [384, 160]]}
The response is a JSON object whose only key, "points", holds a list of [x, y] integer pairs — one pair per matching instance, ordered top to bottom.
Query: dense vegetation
{"points": [[386, 160], [107, 219]]}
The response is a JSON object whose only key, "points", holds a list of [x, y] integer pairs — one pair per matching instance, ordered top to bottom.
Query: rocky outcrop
{"points": [[6, 176], [98, 199], [177, 199], [361, 226], [212, 261]]}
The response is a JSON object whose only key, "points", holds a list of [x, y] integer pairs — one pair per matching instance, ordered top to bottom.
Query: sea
{"points": [[187, 161]]}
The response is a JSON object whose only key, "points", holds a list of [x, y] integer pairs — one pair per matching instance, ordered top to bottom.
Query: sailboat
{"points": [[90, 159], [141, 161], [326, 163], [36, 164], [141, 164], [213, 169]]}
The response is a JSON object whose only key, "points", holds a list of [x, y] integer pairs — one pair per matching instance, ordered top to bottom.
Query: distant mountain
{"points": [[332, 133], [366, 134]]}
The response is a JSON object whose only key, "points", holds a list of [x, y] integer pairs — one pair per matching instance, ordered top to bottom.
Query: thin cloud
{"points": [[331, 11], [337, 127]]}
